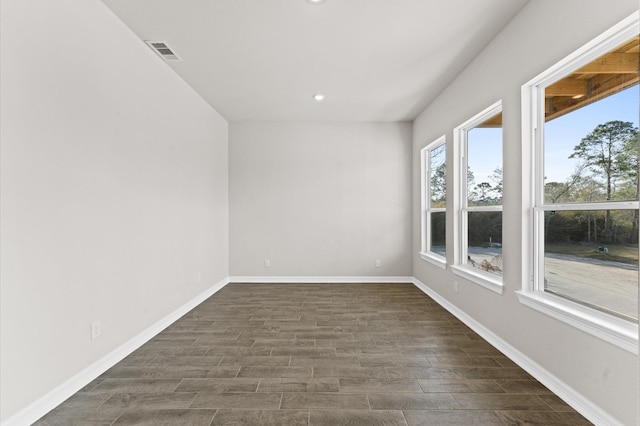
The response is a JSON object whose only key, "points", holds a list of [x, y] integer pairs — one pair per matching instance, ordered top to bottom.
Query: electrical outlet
{"points": [[267, 263], [378, 263], [456, 287], [96, 329]]}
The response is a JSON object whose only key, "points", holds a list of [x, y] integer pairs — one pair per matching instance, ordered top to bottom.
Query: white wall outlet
{"points": [[267, 263], [378, 263], [456, 287], [96, 329]]}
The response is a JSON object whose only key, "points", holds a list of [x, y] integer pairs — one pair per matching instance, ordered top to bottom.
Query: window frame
{"points": [[426, 209], [461, 209], [607, 327]]}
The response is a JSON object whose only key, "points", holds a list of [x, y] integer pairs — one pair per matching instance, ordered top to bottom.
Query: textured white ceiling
{"points": [[262, 60]]}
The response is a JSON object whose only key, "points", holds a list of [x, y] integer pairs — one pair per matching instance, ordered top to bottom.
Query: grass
{"points": [[624, 253]]}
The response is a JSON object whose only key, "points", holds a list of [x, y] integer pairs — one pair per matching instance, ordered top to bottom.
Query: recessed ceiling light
{"points": [[315, 1], [319, 97]]}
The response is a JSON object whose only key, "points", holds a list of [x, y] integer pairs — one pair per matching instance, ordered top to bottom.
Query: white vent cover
{"points": [[163, 49]]}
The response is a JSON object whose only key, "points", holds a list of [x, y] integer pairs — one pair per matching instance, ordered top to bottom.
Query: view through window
{"points": [[478, 143], [484, 196], [437, 199], [434, 200], [588, 227]]}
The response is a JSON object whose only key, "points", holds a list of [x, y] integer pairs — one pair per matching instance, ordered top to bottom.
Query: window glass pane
{"points": [[591, 130], [591, 154], [484, 165], [434, 174], [438, 175], [438, 232], [485, 241], [582, 263]]}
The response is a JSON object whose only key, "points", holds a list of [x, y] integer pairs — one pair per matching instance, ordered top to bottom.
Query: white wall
{"points": [[543, 33], [114, 191], [320, 199]]}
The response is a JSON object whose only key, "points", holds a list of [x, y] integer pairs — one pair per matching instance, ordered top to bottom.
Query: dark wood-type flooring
{"points": [[315, 354]]}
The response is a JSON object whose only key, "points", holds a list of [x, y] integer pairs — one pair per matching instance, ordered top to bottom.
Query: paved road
{"points": [[597, 282]]}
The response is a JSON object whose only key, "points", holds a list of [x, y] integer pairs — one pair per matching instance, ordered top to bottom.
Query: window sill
{"points": [[435, 259], [483, 280], [616, 331]]}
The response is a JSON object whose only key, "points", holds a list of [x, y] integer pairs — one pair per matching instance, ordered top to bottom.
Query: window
{"points": [[580, 122], [434, 198], [478, 221]]}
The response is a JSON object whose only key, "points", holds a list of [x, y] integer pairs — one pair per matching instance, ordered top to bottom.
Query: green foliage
{"points": [[573, 226], [484, 227], [438, 229], [623, 253]]}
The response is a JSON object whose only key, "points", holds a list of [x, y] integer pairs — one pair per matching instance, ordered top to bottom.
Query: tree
{"points": [[602, 150], [629, 160], [438, 176], [496, 178], [439, 186], [481, 192], [564, 192]]}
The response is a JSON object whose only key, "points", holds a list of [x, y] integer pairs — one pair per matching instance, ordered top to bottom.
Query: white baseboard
{"points": [[320, 279], [59, 394], [576, 400]]}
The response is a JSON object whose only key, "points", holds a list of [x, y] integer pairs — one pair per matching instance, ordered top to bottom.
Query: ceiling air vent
{"points": [[162, 49]]}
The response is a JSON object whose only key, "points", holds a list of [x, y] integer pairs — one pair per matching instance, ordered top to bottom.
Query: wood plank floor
{"points": [[315, 354]]}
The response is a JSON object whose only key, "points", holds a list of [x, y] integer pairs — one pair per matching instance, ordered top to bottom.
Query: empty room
{"points": [[319, 212]]}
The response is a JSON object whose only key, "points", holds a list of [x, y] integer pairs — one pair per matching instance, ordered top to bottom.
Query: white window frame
{"points": [[426, 209], [461, 209], [610, 328]]}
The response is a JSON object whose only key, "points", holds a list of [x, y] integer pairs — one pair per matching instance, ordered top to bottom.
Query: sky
{"points": [[562, 133], [484, 152]]}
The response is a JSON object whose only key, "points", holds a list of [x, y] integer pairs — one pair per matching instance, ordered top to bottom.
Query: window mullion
{"points": [[610, 205]]}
